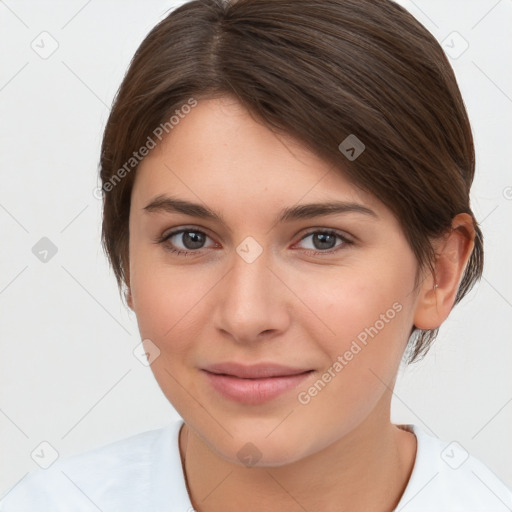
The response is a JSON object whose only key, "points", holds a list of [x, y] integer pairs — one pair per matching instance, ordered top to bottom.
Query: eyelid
{"points": [[183, 229], [342, 234]]}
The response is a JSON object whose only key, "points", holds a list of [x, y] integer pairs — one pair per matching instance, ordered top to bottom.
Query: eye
{"points": [[185, 241], [189, 241], [325, 241]]}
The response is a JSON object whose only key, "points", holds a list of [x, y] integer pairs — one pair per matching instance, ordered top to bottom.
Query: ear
{"points": [[128, 291], [438, 291], [129, 298]]}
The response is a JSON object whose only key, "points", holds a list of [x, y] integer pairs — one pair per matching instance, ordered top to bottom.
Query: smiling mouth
{"points": [[254, 371], [259, 378], [254, 390]]}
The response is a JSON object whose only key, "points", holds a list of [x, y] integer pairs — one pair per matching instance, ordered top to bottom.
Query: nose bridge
{"points": [[251, 277], [248, 282], [251, 299]]}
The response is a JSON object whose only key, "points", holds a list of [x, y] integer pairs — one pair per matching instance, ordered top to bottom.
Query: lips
{"points": [[257, 371], [255, 384]]}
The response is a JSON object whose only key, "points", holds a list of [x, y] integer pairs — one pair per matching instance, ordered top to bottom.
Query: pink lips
{"points": [[254, 384]]}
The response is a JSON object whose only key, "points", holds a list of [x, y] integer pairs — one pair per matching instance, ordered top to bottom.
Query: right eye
{"points": [[191, 241]]}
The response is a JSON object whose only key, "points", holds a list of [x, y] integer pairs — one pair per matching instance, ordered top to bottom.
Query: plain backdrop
{"points": [[69, 377]]}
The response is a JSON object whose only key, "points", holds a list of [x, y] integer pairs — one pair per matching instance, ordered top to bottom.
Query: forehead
{"points": [[219, 152]]}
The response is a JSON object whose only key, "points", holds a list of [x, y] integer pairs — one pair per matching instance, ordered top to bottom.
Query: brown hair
{"points": [[318, 71]]}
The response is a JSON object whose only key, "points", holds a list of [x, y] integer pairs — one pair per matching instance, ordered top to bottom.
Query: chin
{"points": [[255, 449]]}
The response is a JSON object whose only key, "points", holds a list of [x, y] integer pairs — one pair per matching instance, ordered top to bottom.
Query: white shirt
{"points": [[143, 473]]}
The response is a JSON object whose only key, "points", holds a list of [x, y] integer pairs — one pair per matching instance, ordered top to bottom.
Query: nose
{"points": [[252, 303]]}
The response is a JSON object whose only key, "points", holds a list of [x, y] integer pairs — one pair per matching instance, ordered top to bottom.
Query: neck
{"points": [[368, 469]]}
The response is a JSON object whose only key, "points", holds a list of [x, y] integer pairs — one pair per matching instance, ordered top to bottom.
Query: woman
{"points": [[286, 205]]}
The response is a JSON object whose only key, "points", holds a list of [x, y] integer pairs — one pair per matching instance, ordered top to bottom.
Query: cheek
{"points": [[163, 298], [169, 302], [358, 305], [161, 312], [170, 314], [367, 318]]}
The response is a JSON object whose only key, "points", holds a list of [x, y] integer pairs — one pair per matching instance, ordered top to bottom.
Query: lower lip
{"points": [[254, 391]]}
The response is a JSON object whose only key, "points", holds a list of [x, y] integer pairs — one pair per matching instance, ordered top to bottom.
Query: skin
{"points": [[340, 451]]}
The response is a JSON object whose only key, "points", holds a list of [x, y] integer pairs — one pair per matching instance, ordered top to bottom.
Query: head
{"points": [[252, 110]]}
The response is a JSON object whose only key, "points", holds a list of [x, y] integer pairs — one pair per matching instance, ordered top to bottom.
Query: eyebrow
{"points": [[167, 204]]}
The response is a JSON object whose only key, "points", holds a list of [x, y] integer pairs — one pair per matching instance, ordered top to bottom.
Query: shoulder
{"points": [[119, 476], [446, 477]]}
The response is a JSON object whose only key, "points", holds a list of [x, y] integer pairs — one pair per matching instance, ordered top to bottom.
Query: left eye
{"points": [[324, 240]]}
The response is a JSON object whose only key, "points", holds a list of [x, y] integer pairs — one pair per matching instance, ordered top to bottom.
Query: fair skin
{"points": [[339, 451]]}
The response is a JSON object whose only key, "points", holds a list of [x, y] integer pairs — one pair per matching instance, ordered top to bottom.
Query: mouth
{"points": [[255, 371], [254, 384]]}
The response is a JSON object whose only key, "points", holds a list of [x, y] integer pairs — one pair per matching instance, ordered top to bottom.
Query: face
{"points": [[329, 294]]}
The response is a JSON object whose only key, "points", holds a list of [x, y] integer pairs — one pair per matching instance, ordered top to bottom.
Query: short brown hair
{"points": [[318, 71]]}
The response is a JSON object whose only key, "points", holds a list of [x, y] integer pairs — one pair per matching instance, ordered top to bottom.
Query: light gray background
{"points": [[68, 373]]}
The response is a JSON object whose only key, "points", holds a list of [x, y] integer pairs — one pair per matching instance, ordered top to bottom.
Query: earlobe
{"points": [[128, 291], [438, 291], [128, 297]]}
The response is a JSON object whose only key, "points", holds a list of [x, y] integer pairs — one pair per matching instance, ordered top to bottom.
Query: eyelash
{"points": [[180, 252]]}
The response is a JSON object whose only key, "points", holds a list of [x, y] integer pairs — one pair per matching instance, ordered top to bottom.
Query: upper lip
{"points": [[255, 371]]}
